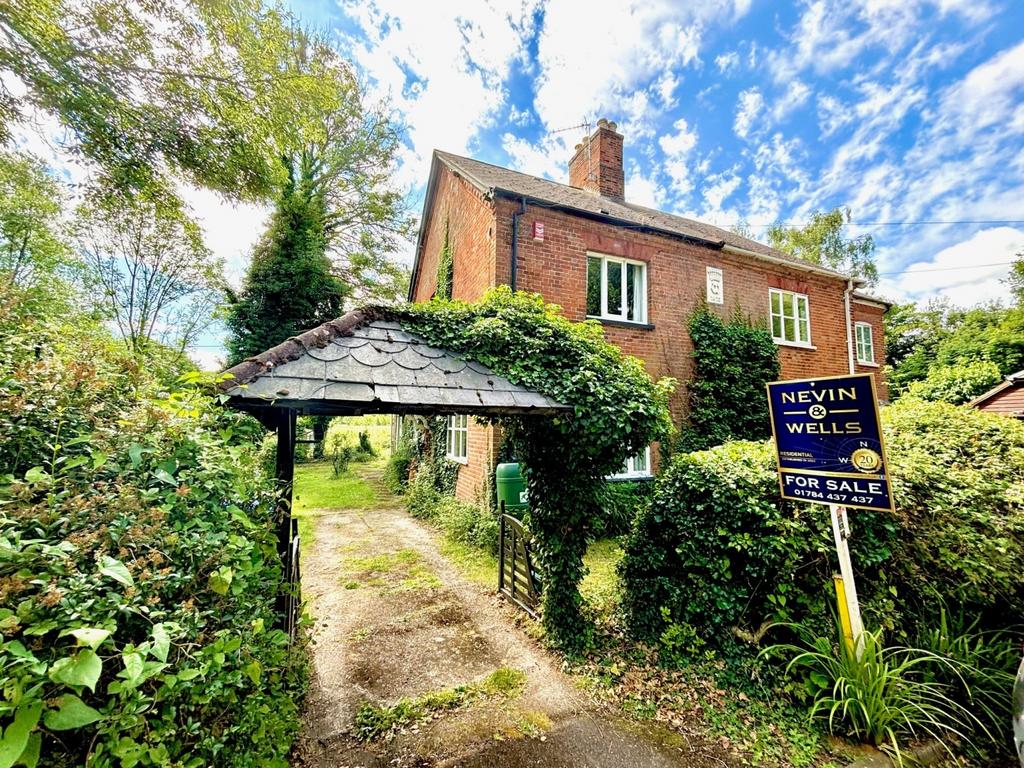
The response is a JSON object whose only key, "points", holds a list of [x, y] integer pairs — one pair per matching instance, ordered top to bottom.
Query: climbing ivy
{"points": [[445, 267], [732, 360], [616, 410]]}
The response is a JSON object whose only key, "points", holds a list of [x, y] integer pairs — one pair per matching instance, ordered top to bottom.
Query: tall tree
{"points": [[206, 90], [822, 241], [33, 244], [149, 268], [290, 286]]}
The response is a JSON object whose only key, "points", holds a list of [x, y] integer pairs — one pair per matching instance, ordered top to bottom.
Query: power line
{"points": [[910, 223]]}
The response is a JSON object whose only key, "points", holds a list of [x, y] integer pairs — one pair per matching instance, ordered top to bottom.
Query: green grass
{"points": [[378, 426], [316, 487], [475, 564], [600, 587], [373, 722]]}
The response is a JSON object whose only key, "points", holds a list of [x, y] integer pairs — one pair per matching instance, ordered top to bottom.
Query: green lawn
{"points": [[316, 487]]}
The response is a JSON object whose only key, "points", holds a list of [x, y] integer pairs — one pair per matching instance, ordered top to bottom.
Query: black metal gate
{"points": [[516, 576]]}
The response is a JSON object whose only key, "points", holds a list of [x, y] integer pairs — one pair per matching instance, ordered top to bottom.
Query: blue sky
{"points": [[904, 110], [907, 111]]}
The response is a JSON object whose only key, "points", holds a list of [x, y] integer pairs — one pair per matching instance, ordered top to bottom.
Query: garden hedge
{"points": [[722, 552], [138, 567]]}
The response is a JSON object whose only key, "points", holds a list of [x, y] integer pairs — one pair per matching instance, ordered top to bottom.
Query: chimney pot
{"points": [[602, 122], [613, 126]]}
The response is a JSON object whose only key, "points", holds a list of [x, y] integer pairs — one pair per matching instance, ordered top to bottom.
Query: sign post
{"points": [[829, 450]]}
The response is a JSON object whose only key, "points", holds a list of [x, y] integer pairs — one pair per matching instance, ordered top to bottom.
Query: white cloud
{"points": [[591, 63], [727, 63], [441, 66], [796, 95], [749, 107], [677, 147], [549, 158], [643, 190], [230, 230], [969, 272]]}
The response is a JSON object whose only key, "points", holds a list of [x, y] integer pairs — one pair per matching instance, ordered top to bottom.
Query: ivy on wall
{"points": [[445, 267], [732, 361], [616, 410]]}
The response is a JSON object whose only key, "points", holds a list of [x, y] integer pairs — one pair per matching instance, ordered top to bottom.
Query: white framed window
{"points": [[616, 289], [791, 317], [865, 343], [458, 434], [635, 466]]}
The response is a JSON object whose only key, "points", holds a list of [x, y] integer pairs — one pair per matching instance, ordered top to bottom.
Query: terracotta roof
{"points": [[495, 179], [366, 361]]}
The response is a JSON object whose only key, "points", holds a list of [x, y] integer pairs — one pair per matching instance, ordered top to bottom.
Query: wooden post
{"points": [[501, 545], [849, 604]]}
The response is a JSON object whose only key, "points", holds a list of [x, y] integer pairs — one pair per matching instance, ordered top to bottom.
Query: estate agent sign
{"points": [[828, 441], [828, 445]]}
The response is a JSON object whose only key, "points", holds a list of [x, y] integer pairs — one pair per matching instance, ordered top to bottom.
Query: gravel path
{"points": [[394, 619]]}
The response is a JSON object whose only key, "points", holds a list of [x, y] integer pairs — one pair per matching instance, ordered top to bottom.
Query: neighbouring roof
{"points": [[498, 180], [872, 299], [366, 362], [1013, 380]]}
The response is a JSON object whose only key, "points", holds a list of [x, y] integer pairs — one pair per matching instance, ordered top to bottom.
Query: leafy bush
{"points": [[731, 363], [958, 383], [365, 446], [396, 472], [619, 507], [460, 521], [723, 553], [139, 567], [883, 697]]}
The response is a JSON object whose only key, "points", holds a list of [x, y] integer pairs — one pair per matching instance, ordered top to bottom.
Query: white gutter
{"points": [[793, 264], [849, 324]]}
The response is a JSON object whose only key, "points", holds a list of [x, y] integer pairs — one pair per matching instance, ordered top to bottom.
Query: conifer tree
{"points": [[290, 286]]}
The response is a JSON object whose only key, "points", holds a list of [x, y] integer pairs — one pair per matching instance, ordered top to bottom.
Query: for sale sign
{"points": [[828, 441]]}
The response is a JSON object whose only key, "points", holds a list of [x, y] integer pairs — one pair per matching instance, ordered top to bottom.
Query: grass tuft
{"points": [[373, 722]]}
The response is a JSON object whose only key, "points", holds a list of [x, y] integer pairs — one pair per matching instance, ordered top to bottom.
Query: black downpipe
{"points": [[514, 266]]}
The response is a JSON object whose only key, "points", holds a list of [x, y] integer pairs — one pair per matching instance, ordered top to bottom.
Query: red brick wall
{"points": [[470, 221], [481, 233], [676, 280], [872, 313]]}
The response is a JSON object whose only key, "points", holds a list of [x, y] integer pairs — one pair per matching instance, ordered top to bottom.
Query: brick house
{"points": [[638, 271]]}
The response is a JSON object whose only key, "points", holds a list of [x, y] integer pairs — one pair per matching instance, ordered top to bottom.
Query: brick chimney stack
{"points": [[597, 164]]}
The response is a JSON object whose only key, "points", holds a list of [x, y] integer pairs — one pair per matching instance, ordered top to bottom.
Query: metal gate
{"points": [[516, 576]]}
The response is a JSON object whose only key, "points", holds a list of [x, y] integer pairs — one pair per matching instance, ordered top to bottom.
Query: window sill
{"points": [[621, 323], [794, 344], [866, 364], [457, 460], [629, 478]]}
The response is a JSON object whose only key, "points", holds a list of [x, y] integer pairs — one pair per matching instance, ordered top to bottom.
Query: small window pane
{"points": [[632, 281], [593, 286], [615, 288], [776, 303], [787, 305], [801, 305], [776, 326], [789, 326]]}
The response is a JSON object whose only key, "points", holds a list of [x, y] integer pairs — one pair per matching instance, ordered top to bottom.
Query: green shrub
{"points": [[732, 360], [956, 384], [365, 446], [396, 472], [620, 504], [460, 521], [723, 553], [139, 570]]}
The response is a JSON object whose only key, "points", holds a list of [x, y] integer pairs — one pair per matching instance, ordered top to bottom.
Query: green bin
{"points": [[511, 488]]}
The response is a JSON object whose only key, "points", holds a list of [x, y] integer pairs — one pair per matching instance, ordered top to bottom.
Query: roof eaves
{"points": [[1010, 382]]}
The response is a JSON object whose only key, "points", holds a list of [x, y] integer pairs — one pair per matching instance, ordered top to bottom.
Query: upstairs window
{"points": [[616, 289], [791, 319], [865, 343], [458, 433], [635, 466]]}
